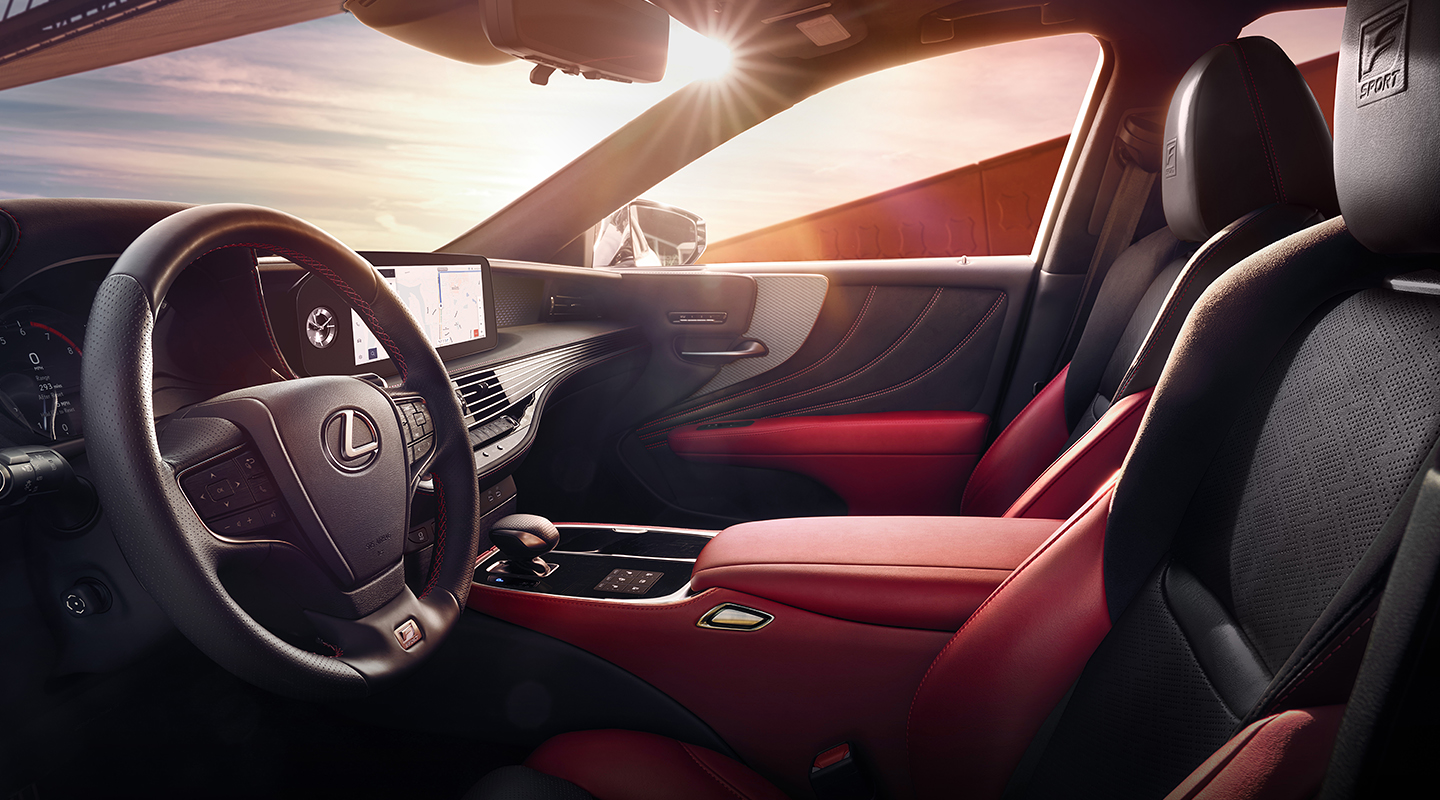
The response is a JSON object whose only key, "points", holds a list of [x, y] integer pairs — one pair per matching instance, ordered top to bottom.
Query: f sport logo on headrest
{"points": [[1384, 55]]}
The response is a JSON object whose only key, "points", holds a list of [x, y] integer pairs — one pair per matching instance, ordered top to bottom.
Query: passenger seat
{"points": [[1246, 162]]}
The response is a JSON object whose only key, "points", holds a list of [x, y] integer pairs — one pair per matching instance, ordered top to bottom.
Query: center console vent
{"points": [[488, 394], [482, 396]]}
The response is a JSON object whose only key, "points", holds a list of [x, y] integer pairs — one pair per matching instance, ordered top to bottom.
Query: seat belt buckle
{"points": [[836, 774]]}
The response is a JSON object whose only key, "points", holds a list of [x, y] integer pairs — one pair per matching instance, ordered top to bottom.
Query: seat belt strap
{"points": [[1116, 234], [1388, 736]]}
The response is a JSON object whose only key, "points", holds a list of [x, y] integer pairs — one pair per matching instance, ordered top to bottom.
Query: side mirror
{"points": [[645, 233]]}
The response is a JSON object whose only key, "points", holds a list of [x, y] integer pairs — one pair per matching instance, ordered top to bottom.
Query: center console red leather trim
{"points": [[888, 462], [1080, 471], [909, 572], [987, 693], [777, 695]]}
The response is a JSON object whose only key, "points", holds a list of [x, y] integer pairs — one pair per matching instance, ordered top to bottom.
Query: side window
{"points": [[950, 156]]}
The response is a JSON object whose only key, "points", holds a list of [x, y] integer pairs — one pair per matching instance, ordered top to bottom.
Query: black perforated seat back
{"points": [[1283, 533]]}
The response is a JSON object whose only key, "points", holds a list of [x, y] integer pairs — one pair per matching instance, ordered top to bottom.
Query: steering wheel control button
{"points": [[415, 419], [351, 440], [421, 448], [250, 464], [262, 488], [218, 489], [235, 496], [247, 521], [419, 538], [628, 581], [732, 617], [409, 634]]}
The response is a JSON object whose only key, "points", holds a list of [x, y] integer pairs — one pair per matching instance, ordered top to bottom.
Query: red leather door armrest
{"points": [[896, 462], [908, 572]]}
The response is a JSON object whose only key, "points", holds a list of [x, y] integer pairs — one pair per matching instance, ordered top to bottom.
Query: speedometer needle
{"points": [[49, 415]]}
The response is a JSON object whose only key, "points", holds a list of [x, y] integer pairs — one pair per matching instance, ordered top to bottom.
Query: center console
{"points": [[600, 562], [780, 635]]}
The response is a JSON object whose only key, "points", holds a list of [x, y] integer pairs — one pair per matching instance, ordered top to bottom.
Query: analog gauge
{"points": [[40, 374]]}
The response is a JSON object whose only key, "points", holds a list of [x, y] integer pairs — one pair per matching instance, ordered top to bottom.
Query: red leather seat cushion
{"points": [[626, 765]]}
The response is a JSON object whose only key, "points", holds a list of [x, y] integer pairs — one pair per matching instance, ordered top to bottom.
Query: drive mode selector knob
{"points": [[523, 539]]}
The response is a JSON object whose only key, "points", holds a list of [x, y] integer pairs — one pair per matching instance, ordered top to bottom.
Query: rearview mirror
{"points": [[623, 40], [647, 234]]}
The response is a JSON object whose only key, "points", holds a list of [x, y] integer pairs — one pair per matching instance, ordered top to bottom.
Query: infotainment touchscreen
{"points": [[449, 295], [448, 302]]}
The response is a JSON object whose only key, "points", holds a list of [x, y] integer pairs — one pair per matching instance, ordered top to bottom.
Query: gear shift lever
{"points": [[523, 539]]}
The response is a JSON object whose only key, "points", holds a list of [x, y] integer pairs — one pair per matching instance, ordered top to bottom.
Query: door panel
{"points": [[786, 308], [915, 335]]}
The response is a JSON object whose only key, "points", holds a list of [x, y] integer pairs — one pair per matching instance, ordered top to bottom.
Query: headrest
{"points": [[1387, 125], [1243, 132]]}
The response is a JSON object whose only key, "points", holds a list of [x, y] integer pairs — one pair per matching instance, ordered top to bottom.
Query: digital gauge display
{"points": [[40, 374]]}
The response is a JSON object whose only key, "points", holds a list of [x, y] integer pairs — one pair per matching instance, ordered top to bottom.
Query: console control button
{"points": [[629, 581]]}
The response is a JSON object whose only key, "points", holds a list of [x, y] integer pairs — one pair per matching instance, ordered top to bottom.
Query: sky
{"points": [[389, 147]]}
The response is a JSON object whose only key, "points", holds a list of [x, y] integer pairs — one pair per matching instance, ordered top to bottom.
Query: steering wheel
{"points": [[342, 456]]}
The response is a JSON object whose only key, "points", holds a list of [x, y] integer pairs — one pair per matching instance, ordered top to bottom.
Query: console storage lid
{"points": [[908, 572]]}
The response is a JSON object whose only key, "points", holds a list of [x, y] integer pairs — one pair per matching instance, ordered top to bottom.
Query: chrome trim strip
{"points": [[644, 528]]}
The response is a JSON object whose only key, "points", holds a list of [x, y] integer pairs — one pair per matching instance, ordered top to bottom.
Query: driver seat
{"points": [[1197, 626]]}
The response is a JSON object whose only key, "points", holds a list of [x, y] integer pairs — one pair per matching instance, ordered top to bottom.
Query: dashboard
{"points": [[453, 299], [238, 318]]}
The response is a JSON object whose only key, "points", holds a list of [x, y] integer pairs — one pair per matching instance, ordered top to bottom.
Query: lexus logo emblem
{"points": [[320, 327], [350, 439]]}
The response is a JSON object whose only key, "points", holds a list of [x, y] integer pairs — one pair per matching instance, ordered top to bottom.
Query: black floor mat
{"points": [[193, 730]]}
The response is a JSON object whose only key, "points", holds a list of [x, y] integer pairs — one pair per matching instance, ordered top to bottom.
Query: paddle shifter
{"points": [[523, 539]]}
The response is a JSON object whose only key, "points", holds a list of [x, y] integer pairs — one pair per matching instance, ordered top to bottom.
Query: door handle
{"points": [[752, 348]]}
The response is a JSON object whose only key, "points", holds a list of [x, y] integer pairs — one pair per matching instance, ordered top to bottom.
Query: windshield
{"points": [[383, 145], [389, 147]]}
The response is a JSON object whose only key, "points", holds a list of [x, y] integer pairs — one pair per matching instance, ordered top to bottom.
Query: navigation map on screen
{"points": [[448, 302]]}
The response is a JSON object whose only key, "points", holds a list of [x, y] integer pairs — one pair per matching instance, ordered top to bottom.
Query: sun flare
{"points": [[694, 57]]}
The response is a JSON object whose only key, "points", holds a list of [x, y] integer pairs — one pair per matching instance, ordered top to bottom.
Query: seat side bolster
{"points": [[1020, 453], [1080, 471], [988, 692], [1280, 757]]}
